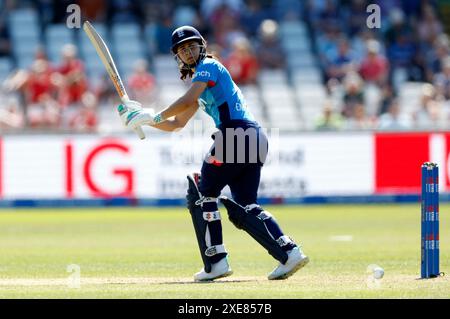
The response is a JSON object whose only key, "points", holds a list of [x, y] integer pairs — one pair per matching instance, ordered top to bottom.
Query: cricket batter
{"points": [[228, 162]]}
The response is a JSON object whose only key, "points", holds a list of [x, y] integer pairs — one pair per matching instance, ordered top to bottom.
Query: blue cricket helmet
{"points": [[184, 34]]}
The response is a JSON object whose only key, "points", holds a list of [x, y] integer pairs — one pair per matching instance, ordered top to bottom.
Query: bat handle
{"points": [[139, 131]]}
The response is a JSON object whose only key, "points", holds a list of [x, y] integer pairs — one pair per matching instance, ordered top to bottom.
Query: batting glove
{"points": [[125, 109]]}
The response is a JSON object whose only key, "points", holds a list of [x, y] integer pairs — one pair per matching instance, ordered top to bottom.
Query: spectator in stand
{"points": [[210, 7], [93, 10], [287, 10], [124, 11], [184, 15], [329, 15], [357, 16], [253, 17], [398, 26], [226, 27], [429, 27], [163, 34], [5, 44], [359, 44], [327, 46], [401, 48], [215, 50], [269, 51], [402, 51], [435, 57], [242, 63], [343, 63], [375, 67], [72, 80], [442, 80], [72, 83], [142, 84], [39, 91], [106, 92], [353, 94], [387, 96], [429, 114], [11, 115], [359, 119], [394, 119], [85, 120], [330, 120]]}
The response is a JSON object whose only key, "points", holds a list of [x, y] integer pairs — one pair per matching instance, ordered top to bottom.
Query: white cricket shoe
{"points": [[296, 260], [218, 270]]}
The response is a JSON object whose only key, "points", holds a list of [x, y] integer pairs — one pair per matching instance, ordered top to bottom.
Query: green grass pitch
{"points": [[152, 253]]}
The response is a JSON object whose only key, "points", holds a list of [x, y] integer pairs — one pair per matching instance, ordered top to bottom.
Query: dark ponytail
{"points": [[187, 72]]}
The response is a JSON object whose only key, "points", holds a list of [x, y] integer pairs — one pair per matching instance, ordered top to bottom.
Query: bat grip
{"points": [[138, 130]]}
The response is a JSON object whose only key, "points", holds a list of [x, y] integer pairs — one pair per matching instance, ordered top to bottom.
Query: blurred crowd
{"points": [[410, 45]]}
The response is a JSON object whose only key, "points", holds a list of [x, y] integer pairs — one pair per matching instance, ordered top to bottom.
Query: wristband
{"points": [[158, 118]]}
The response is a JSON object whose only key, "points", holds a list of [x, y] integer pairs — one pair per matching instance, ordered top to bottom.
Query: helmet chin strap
{"points": [[186, 66]]}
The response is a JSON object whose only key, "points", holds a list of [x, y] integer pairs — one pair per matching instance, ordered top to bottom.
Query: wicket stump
{"points": [[430, 221]]}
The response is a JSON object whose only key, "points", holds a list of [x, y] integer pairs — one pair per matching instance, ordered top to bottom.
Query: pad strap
{"points": [[203, 200], [255, 208], [211, 216], [284, 240], [214, 250]]}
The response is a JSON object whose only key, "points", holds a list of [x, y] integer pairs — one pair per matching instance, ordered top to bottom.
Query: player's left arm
{"points": [[185, 102], [178, 121]]}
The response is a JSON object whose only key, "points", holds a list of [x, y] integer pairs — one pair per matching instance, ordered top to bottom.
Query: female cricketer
{"points": [[235, 159]]}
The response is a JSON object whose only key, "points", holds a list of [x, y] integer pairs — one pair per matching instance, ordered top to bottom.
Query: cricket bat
{"points": [[108, 62]]}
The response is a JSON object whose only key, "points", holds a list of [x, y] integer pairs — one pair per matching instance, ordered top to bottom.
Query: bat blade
{"points": [[103, 52]]}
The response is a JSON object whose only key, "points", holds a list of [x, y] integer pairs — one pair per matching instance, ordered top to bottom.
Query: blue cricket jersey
{"points": [[222, 98]]}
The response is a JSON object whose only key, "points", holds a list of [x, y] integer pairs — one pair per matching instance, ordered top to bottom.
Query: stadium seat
{"points": [[23, 18], [292, 29], [125, 31], [59, 33], [150, 37], [296, 45], [54, 49], [24, 61], [300, 61], [126, 62], [6, 66], [94, 66], [166, 70], [307, 75], [399, 77], [267, 78], [170, 93], [372, 95], [252, 96], [409, 96], [311, 98], [281, 107], [207, 123]]}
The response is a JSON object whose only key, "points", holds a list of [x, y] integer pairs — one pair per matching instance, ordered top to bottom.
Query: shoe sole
{"points": [[302, 263], [228, 273]]}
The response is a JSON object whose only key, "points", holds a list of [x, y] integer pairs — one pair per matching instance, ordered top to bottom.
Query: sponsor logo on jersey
{"points": [[202, 73]]}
